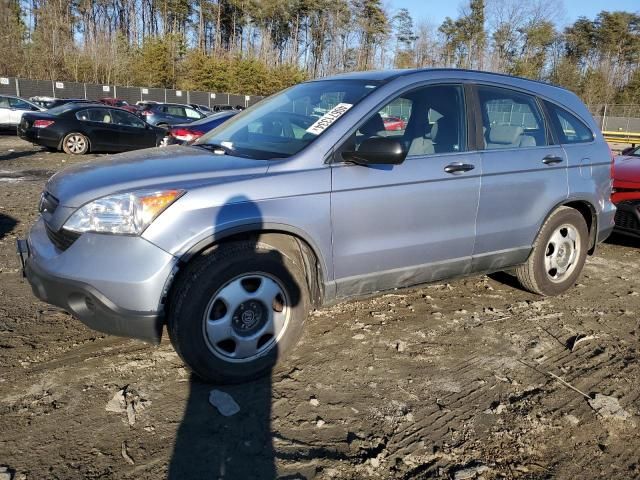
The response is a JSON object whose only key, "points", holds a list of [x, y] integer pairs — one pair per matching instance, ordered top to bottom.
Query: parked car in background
{"points": [[51, 102], [118, 102], [145, 103], [202, 108], [225, 108], [12, 109], [165, 115], [394, 124], [79, 128], [188, 132], [626, 192], [232, 240]]}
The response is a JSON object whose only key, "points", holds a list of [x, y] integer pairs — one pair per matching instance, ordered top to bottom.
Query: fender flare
{"points": [[257, 228]]}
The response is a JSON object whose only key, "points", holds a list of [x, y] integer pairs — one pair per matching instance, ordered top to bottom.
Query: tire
{"points": [[75, 143], [558, 255], [219, 310]]}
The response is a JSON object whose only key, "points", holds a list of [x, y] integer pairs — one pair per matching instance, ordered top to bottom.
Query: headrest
{"points": [[506, 134]]}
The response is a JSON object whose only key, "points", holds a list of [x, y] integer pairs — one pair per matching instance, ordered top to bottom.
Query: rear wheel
{"points": [[75, 144], [558, 254], [237, 310]]}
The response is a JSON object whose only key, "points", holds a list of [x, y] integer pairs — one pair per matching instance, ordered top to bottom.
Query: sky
{"points": [[435, 11]]}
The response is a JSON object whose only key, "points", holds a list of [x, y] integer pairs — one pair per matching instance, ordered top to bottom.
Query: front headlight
{"points": [[125, 213]]}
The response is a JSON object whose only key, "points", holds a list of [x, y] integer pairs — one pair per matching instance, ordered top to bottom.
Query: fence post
{"points": [[17, 87], [53, 88], [85, 90], [115, 92], [165, 95], [604, 118], [628, 118]]}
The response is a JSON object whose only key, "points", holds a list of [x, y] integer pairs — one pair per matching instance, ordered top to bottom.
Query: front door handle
{"points": [[552, 159], [458, 167]]}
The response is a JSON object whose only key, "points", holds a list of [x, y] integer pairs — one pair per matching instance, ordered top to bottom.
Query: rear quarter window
{"points": [[569, 128]]}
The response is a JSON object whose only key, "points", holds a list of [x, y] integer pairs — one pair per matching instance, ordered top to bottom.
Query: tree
{"points": [[405, 39]]}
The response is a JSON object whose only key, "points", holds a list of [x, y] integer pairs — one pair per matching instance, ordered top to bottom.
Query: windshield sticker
{"points": [[329, 118]]}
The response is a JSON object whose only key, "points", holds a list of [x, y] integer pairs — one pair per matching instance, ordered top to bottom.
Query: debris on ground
{"points": [[574, 341], [129, 401], [224, 402], [608, 407], [125, 454], [468, 473], [5, 474]]}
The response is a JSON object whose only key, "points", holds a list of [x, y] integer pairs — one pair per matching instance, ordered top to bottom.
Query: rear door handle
{"points": [[552, 159], [458, 167]]}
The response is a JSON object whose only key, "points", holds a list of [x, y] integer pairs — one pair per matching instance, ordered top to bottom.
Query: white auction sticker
{"points": [[329, 118]]}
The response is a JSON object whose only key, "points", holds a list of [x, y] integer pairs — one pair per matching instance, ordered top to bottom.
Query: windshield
{"points": [[282, 125]]}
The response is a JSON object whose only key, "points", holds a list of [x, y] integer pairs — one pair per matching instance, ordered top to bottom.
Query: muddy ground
{"points": [[455, 380]]}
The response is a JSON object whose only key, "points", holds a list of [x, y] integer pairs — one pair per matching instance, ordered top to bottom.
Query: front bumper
{"points": [[628, 218], [111, 283]]}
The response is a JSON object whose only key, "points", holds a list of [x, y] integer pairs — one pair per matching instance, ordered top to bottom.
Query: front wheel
{"points": [[75, 144], [558, 254], [237, 310]]}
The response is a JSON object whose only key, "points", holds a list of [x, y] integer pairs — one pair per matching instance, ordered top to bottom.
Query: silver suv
{"points": [[332, 189]]}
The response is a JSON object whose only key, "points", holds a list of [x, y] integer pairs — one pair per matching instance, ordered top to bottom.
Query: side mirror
{"points": [[377, 151]]}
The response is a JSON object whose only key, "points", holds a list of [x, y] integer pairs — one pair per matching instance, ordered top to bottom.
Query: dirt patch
{"points": [[447, 381]]}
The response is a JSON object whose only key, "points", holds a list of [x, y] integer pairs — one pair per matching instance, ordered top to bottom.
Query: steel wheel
{"points": [[76, 144], [563, 248], [246, 317]]}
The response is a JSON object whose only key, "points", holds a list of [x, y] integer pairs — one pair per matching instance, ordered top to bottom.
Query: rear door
{"points": [[103, 133], [524, 176], [406, 224]]}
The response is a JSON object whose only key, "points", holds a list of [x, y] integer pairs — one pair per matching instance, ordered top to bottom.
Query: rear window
{"points": [[60, 109], [568, 127]]}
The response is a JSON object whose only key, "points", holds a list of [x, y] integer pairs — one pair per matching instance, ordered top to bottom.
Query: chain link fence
{"points": [[22, 87], [617, 118]]}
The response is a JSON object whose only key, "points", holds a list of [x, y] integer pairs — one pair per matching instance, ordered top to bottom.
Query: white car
{"points": [[12, 108]]}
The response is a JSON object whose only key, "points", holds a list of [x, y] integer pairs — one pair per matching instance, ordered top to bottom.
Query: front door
{"points": [[132, 130], [411, 223]]}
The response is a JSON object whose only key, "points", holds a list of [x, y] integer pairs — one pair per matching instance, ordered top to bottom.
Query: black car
{"points": [[80, 128]]}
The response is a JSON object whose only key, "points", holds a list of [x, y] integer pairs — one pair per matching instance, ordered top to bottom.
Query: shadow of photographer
{"points": [[208, 444]]}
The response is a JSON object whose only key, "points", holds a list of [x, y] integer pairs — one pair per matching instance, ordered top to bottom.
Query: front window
{"points": [[426, 121], [284, 124]]}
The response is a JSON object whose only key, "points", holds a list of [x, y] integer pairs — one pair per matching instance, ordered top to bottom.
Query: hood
{"points": [[166, 167], [627, 169]]}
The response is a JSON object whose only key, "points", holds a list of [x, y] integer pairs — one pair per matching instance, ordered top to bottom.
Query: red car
{"points": [[118, 102], [394, 124], [626, 191]]}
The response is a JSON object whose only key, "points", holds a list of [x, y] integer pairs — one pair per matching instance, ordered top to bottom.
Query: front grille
{"points": [[627, 219], [61, 239]]}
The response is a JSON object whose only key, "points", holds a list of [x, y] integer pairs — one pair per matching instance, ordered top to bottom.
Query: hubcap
{"points": [[76, 143], [563, 249], [246, 317]]}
